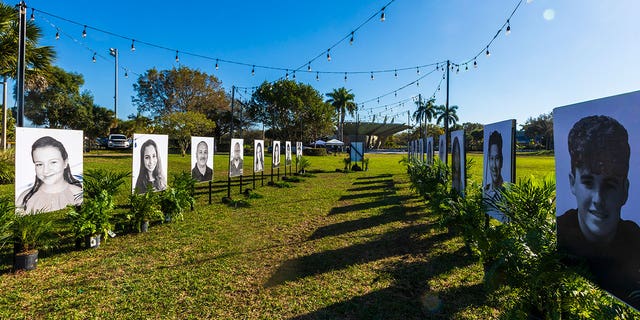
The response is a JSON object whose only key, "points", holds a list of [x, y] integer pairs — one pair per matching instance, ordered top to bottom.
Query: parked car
{"points": [[118, 141]]}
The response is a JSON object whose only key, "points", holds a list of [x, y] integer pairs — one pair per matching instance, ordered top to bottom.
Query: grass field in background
{"points": [[336, 245]]}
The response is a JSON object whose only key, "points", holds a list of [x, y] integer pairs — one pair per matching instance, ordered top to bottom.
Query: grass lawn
{"points": [[358, 246]]}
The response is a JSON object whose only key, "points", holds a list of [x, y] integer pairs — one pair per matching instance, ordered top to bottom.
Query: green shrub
{"points": [[314, 151], [303, 164], [7, 166], [98, 180], [177, 197], [144, 207], [93, 216], [6, 219], [31, 232]]}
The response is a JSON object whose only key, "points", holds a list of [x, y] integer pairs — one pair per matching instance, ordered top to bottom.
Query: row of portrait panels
{"points": [[49, 165]]}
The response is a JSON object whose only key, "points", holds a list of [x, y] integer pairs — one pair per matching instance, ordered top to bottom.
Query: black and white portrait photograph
{"points": [[597, 146], [442, 148], [298, 150], [356, 151], [287, 153], [430, 153], [258, 155], [150, 157], [202, 158], [236, 158], [275, 159], [458, 160], [498, 160], [48, 166]]}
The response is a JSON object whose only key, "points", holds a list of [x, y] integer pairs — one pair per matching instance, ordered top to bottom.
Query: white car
{"points": [[118, 141]]}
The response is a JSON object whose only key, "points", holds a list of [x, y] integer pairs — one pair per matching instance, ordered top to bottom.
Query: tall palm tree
{"points": [[37, 58], [343, 101], [426, 111], [450, 117]]}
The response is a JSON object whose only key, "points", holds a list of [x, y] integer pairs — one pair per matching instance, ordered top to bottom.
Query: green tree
{"points": [[179, 90], [343, 102], [60, 104], [292, 110], [425, 112], [450, 116], [182, 125], [540, 130], [473, 135]]}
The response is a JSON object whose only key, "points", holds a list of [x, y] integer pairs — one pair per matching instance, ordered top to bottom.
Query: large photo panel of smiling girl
{"points": [[150, 160], [48, 174]]}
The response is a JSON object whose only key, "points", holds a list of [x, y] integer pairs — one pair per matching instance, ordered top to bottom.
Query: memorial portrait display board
{"points": [[596, 146], [442, 148], [421, 149], [298, 150], [356, 151], [430, 152], [287, 153], [258, 155], [202, 158], [236, 158], [275, 159], [458, 160], [499, 161], [150, 162], [48, 169]]}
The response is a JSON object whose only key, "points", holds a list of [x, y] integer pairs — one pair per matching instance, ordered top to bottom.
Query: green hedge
{"points": [[314, 151]]}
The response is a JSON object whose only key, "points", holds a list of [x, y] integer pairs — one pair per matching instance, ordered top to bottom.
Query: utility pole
{"points": [[22, 26], [114, 53], [233, 99], [446, 118]]}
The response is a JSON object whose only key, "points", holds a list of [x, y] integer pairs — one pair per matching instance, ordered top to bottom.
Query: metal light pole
{"points": [[22, 37], [114, 53], [4, 113]]}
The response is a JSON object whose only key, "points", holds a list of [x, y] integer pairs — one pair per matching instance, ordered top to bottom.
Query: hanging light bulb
{"points": [[382, 17], [32, 18], [508, 27], [84, 32], [57, 34], [351, 40], [133, 45], [487, 52], [328, 55], [94, 57], [177, 58], [475, 63], [217, 64], [309, 66], [437, 67], [466, 67], [457, 69], [253, 70], [418, 70], [126, 73], [395, 73], [294, 74], [286, 75], [317, 76], [372, 76], [345, 77], [417, 83], [438, 88], [395, 94], [378, 100]]}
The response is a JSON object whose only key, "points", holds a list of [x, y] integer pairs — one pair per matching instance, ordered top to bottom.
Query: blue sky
{"points": [[558, 52]]}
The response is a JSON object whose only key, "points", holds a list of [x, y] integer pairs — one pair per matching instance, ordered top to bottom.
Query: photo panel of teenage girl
{"points": [[596, 146], [442, 148], [298, 150], [287, 153], [430, 153], [258, 155], [202, 158], [275, 158], [458, 160], [150, 162], [499, 162], [48, 169]]}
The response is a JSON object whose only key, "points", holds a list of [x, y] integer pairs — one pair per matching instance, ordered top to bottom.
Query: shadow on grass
{"points": [[385, 175], [379, 181], [366, 195], [386, 201], [394, 243], [409, 296]]}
